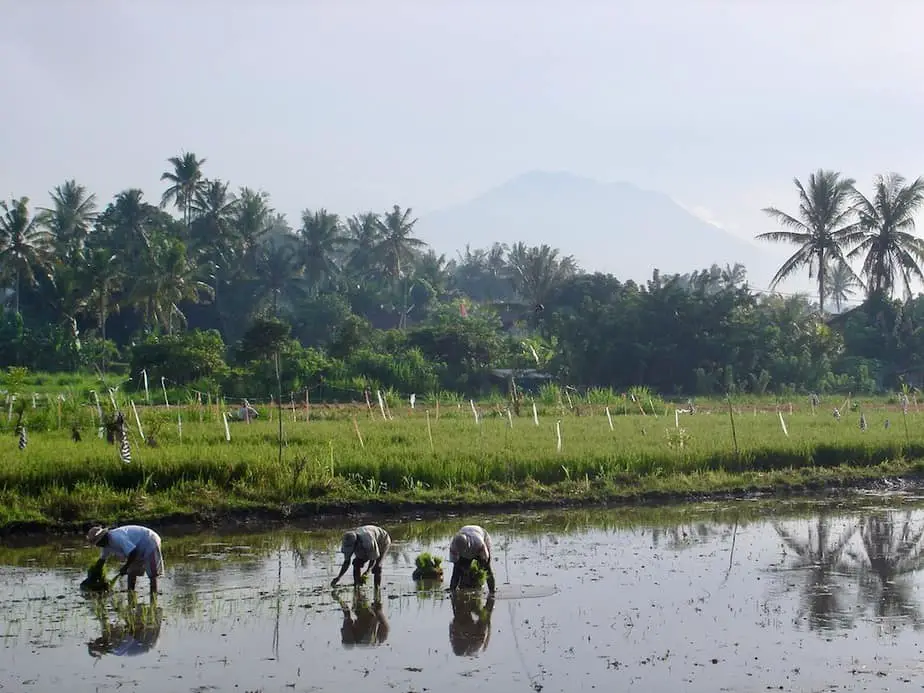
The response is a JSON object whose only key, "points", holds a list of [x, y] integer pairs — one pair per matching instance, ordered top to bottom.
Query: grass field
{"points": [[353, 454]]}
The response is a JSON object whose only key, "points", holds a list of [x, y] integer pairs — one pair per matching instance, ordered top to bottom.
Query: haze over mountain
{"points": [[608, 227]]}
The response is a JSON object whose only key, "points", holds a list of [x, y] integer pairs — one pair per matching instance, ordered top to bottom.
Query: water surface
{"points": [[734, 597]]}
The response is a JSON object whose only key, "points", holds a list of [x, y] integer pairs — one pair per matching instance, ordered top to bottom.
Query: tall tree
{"points": [[185, 180], [70, 218], [252, 220], [822, 228], [364, 233], [322, 242], [23, 245], [889, 249], [397, 250], [278, 271], [536, 271], [102, 277], [167, 282], [841, 282]]}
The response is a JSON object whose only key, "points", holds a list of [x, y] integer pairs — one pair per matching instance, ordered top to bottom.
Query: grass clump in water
{"points": [[428, 567], [474, 577], [96, 579]]}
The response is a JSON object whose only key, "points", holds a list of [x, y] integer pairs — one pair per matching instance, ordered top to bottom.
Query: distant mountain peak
{"points": [[608, 227]]}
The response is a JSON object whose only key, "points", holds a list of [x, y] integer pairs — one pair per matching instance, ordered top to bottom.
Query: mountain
{"points": [[608, 227]]}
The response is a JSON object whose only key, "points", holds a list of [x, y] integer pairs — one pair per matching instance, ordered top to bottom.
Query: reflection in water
{"points": [[892, 550], [874, 556], [824, 564], [370, 627], [470, 629], [134, 633]]}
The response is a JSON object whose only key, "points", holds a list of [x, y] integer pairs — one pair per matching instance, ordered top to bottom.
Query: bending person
{"points": [[368, 543], [471, 543], [138, 546]]}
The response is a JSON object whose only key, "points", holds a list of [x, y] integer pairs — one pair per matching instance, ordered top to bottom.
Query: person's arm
{"points": [[132, 555], [372, 564], [343, 569], [456, 576], [490, 579]]}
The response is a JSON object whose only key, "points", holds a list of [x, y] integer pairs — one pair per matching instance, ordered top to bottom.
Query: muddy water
{"points": [[738, 597]]}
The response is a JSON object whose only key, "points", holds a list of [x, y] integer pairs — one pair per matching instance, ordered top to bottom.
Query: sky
{"points": [[355, 104]]}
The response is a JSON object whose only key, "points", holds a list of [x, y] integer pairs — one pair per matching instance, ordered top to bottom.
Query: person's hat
{"points": [[95, 534]]}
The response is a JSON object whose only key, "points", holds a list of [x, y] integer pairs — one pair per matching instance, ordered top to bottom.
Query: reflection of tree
{"points": [[688, 534], [893, 550], [824, 563], [370, 627], [470, 630], [135, 633]]}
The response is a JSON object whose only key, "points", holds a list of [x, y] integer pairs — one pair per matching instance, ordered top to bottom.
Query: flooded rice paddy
{"points": [[747, 596]]}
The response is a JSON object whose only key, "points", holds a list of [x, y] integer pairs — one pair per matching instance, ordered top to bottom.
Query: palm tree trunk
{"points": [[821, 284], [16, 297]]}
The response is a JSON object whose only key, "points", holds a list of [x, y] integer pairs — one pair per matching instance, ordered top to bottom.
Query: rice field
{"points": [[200, 459]]}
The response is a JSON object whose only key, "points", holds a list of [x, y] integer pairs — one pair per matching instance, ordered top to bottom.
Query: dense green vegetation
{"points": [[206, 297]]}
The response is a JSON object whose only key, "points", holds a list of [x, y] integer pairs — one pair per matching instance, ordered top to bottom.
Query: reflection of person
{"points": [[368, 543], [471, 543], [138, 546], [370, 626], [470, 630], [136, 636]]}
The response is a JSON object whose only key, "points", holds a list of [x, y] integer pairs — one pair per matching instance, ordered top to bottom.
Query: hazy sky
{"points": [[350, 104]]}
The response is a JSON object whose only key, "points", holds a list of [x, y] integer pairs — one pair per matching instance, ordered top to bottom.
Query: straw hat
{"points": [[95, 534]]}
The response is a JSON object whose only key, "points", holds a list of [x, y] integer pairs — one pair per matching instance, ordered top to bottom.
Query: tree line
{"points": [[204, 284]]}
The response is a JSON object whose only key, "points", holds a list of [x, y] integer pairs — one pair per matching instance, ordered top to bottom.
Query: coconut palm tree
{"points": [[185, 180], [213, 211], [70, 218], [252, 220], [822, 228], [364, 233], [322, 241], [24, 245], [887, 245], [397, 250], [537, 270], [278, 271], [101, 277], [167, 282], [841, 282]]}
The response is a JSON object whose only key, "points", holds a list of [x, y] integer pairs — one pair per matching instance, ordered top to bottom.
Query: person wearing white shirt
{"points": [[368, 543], [471, 543], [139, 548]]}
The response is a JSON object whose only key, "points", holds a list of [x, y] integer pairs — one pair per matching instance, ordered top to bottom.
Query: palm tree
{"points": [[185, 179], [213, 213], [70, 217], [251, 221], [886, 224], [821, 229], [364, 233], [322, 241], [23, 245], [397, 250], [537, 270], [278, 272], [102, 277], [841, 281], [167, 282]]}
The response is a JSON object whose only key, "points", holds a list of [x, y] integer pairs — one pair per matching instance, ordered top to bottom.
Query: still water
{"points": [[745, 596]]}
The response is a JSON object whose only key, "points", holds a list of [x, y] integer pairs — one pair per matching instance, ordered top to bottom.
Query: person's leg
{"points": [[357, 570], [377, 574]]}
